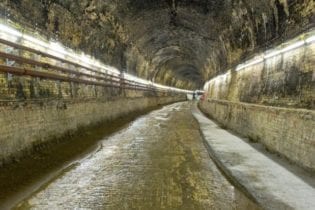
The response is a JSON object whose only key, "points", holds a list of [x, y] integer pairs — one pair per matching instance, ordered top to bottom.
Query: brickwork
{"points": [[34, 110], [24, 125], [289, 132]]}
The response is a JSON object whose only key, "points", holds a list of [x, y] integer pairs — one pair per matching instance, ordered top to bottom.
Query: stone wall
{"points": [[180, 45], [287, 80], [271, 99], [39, 109], [24, 126], [289, 132]]}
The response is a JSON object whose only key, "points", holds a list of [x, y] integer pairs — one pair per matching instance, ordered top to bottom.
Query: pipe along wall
{"points": [[48, 92]]}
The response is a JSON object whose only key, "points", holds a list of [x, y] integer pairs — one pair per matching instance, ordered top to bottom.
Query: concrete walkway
{"points": [[271, 184]]}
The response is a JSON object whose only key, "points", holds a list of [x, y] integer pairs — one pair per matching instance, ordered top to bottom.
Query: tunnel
{"points": [[157, 104]]}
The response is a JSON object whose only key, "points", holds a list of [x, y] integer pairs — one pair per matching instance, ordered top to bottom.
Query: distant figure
{"points": [[194, 96]]}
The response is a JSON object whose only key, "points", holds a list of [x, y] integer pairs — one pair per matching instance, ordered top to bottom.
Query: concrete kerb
{"points": [[220, 164], [262, 180]]}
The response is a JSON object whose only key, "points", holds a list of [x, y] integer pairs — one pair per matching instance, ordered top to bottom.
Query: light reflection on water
{"points": [[145, 167]]}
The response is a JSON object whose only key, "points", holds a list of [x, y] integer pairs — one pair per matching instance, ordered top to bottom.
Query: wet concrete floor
{"points": [[157, 162]]}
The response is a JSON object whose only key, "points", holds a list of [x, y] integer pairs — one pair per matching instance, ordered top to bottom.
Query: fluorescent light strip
{"points": [[9, 30], [310, 39], [36, 41], [293, 46], [54, 48], [60, 51], [272, 54], [268, 55], [255, 61]]}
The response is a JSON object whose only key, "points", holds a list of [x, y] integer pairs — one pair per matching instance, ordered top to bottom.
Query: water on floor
{"points": [[158, 162]]}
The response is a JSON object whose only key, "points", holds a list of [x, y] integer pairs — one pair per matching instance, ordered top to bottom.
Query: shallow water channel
{"points": [[157, 161]]}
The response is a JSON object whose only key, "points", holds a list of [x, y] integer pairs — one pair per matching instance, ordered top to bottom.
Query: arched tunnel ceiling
{"points": [[176, 42]]}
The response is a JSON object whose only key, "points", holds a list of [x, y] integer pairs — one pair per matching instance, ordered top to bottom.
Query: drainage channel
{"points": [[157, 161], [18, 180]]}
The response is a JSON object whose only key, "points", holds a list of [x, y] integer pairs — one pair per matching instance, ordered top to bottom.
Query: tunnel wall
{"points": [[286, 80], [48, 92], [271, 102], [26, 126], [289, 132]]}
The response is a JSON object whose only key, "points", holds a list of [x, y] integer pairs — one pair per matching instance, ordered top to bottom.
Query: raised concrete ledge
{"points": [[287, 132], [272, 185]]}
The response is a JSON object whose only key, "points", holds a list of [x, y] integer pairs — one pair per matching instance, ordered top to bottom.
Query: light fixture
{"points": [[9, 30], [310, 39], [35, 41], [293, 46], [58, 50], [272, 54], [267, 55], [250, 63]]}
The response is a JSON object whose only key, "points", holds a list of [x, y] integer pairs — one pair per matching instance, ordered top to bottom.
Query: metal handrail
{"points": [[108, 80]]}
